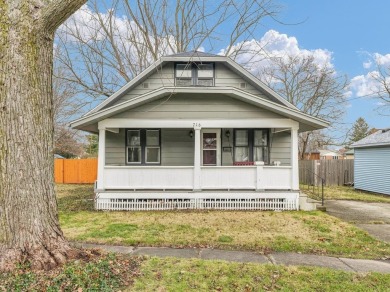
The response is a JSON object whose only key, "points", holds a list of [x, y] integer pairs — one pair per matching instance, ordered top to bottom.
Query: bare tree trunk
{"points": [[29, 227]]}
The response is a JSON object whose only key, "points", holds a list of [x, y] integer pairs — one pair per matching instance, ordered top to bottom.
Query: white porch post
{"points": [[101, 158], [294, 159], [197, 162], [259, 176]]}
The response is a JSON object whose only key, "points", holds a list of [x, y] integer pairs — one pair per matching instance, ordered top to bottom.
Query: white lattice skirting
{"points": [[149, 204]]}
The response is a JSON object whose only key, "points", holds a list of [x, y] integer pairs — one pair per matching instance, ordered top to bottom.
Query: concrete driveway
{"points": [[372, 217]]}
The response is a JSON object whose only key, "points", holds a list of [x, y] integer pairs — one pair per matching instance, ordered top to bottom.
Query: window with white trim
{"points": [[194, 74], [251, 145], [143, 146], [241, 146], [260, 146]]}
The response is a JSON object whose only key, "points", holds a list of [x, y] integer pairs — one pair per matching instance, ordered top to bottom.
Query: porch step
{"points": [[306, 203]]}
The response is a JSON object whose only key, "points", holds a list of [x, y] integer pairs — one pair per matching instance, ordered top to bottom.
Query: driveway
{"points": [[372, 217]]}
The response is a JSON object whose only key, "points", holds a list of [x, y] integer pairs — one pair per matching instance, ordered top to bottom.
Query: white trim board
{"points": [[313, 122], [190, 123]]}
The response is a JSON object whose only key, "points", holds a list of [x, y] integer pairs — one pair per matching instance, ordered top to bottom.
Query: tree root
{"points": [[40, 257]]}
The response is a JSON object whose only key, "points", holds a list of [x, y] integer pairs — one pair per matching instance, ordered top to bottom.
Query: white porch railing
{"points": [[148, 177], [182, 177], [228, 177], [277, 178]]}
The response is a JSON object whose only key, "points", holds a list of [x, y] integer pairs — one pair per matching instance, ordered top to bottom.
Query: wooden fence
{"points": [[75, 171], [335, 172]]}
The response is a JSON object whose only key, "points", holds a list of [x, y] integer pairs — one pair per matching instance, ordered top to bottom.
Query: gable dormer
{"points": [[192, 69]]}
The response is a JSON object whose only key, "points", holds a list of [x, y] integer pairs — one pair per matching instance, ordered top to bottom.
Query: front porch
{"points": [[198, 167]]}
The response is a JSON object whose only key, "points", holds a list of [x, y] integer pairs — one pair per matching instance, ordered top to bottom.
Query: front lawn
{"points": [[306, 232], [131, 273], [171, 274]]}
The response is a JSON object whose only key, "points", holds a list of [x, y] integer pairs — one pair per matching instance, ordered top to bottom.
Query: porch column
{"points": [[101, 159], [294, 159], [197, 162]]}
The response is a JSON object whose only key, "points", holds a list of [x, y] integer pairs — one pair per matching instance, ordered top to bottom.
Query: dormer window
{"points": [[194, 74]]}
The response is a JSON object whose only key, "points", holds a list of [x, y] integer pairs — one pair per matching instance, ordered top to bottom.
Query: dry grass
{"points": [[347, 193], [198, 228], [262, 231], [308, 232]]}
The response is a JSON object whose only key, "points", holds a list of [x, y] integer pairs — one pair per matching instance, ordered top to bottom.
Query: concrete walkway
{"points": [[372, 217], [290, 259]]}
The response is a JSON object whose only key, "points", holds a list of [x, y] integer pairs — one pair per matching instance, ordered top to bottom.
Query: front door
{"points": [[211, 147]]}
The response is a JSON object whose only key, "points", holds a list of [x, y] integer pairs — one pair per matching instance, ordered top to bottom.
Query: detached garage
{"points": [[372, 162]]}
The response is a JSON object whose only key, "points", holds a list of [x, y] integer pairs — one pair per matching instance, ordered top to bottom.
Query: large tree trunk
{"points": [[29, 227]]}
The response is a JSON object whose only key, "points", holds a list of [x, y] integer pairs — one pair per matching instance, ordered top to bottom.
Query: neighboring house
{"points": [[196, 130], [329, 154], [350, 154], [313, 155], [323, 155], [58, 156], [372, 162]]}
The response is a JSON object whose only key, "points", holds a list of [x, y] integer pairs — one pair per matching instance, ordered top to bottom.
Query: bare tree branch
{"points": [[54, 13], [103, 51], [315, 90]]}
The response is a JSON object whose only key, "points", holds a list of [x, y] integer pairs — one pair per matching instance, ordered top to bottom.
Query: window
{"points": [[194, 74], [183, 75], [251, 145], [133, 146], [143, 146], [152, 146], [241, 146], [260, 146], [209, 148]]}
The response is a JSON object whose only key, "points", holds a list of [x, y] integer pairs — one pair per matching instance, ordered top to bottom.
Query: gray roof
{"points": [[193, 54], [379, 138]]}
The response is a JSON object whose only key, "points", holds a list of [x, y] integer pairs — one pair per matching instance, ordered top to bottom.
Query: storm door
{"points": [[211, 147]]}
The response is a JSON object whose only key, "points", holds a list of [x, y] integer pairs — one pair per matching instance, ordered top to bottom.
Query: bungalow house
{"points": [[196, 130], [329, 154], [372, 160]]}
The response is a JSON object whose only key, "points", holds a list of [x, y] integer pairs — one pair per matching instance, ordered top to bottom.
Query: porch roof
{"points": [[306, 122]]}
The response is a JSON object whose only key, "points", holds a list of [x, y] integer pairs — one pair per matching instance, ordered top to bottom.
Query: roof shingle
{"points": [[193, 54], [379, 138]]}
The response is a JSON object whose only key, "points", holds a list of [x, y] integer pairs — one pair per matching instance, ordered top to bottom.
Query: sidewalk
{"points": [[290, 259]]}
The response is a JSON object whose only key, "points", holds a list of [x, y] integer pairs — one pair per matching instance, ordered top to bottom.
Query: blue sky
{"points": [[350, 30]]}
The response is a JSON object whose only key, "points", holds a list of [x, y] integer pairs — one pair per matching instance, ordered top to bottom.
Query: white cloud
{"points": [[103, 30], [254, 53], [382, 60], [367, 64], [368, 84], [362, 85], [348, 94]]}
